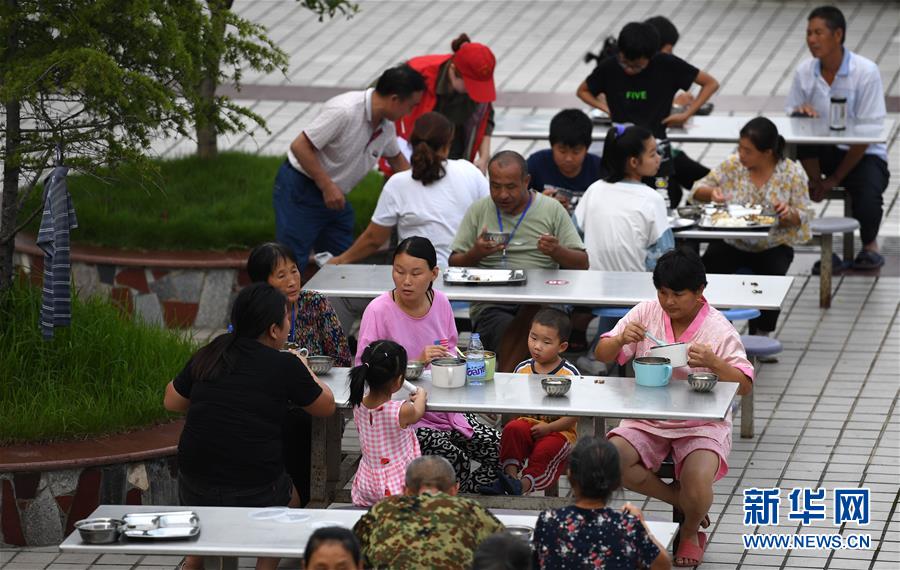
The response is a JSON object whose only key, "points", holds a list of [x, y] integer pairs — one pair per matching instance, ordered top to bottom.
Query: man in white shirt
{"points": [[835, 71], [332, 154]]}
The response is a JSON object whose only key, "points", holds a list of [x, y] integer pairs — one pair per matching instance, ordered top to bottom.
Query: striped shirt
{"points": [[53, 238], [564, 369]]}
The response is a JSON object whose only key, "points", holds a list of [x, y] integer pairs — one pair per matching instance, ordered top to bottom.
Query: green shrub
{"points": [[207, 205], [105, 373]]}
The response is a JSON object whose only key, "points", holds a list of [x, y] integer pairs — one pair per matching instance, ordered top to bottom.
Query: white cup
{"points": [[676, 353]]}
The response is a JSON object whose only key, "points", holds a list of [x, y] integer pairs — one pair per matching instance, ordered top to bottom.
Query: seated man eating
{"points": [[541, 236]]}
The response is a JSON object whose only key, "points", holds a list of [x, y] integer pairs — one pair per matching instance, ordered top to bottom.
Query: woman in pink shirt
{"points": [[420, 319], [699, 448]]}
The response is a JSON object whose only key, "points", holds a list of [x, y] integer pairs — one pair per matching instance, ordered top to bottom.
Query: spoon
{"points": [[654, 339], [410, 387]]}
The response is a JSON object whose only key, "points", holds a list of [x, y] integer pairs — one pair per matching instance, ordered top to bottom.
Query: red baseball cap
{"points": [[476, 62]]}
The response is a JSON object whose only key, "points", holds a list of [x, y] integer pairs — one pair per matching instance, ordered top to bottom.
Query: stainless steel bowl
{"points": [[692, 212], [502, 238], [320, 364], [414, 369], [702, 381], [556, 385], [100, 530], [523, 532]]}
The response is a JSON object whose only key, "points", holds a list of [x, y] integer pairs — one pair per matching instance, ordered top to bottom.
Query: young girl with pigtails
{"points": [[387, 441]]}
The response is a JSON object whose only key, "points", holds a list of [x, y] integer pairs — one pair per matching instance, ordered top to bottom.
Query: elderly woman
{"points": [[760, 175], [419, 318], [236, 391]]}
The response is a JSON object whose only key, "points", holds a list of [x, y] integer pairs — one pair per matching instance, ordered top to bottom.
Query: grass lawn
{"points": [[218, 205], [104, 374]]}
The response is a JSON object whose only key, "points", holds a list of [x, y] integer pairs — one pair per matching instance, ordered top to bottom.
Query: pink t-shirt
{"points": [[384, 320], [709, 327]]}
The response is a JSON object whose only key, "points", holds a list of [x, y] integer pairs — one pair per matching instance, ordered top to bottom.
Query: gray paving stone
{"points": [[120, 559]]}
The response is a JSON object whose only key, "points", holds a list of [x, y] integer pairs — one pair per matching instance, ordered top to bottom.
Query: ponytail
{"points": [[460, 40], [431, 133], [622, 142], [779, 148], [256, 308], [383, 362], [357, 384], [594, 468]]}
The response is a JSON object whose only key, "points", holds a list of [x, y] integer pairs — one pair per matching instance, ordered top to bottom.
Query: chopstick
{"points": [[461, 354]]}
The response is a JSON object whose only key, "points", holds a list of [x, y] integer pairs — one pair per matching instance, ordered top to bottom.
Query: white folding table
{"points": [[716, 128], [574, 287], [591, 399], [231, 532]]}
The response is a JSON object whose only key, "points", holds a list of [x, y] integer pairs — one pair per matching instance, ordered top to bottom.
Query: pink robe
{"points": [[709, 327]]}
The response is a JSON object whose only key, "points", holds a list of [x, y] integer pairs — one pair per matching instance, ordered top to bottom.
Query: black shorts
{"points": [[196, 494]]}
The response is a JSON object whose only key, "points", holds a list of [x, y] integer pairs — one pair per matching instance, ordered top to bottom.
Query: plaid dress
{"points": [[386, 451]]}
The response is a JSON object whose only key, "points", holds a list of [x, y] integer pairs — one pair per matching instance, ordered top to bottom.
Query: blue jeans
{"points": [[303, 222]]}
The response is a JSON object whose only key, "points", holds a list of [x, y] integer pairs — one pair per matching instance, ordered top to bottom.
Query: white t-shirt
{"points": [[858, 79], [434, 211], [620, 221]]}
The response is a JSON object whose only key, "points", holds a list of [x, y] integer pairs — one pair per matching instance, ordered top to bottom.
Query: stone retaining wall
{"points": [[183, 290], [40, 508]]}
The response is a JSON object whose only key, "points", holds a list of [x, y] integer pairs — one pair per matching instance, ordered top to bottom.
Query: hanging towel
{"points": [[53, 238]]}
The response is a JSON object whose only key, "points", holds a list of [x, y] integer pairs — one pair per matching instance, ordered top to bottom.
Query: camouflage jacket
{"points": [[426, 531]]}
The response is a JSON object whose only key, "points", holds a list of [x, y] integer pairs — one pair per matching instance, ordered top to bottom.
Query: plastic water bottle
{"points": [[662, 187], [475, 370]]}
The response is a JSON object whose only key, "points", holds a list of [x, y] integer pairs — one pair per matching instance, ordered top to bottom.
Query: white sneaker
{"points": [[588, 365]]}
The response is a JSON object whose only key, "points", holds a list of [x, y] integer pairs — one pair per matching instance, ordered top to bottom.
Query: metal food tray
{"points": [[706, 224], [470, 276], [162, 525]]}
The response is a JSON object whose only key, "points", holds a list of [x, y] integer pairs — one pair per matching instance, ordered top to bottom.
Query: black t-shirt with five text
{"points": [[644, 99], [232, 434]]}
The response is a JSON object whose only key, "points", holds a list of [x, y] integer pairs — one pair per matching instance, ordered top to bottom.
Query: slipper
{"points": [[868, 260], [837, 265], [691, 551]]}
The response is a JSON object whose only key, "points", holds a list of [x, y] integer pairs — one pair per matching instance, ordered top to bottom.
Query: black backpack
{"points": [[610, 48]]}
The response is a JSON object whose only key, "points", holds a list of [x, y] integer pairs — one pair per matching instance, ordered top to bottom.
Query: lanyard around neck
{"points": [[521, 217]]}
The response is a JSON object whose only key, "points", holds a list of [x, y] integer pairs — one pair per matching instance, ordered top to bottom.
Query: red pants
{"points": [[546, 456]]}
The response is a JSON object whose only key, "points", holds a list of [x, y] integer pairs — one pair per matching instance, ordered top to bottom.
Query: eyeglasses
{"points": [[631, 65]]}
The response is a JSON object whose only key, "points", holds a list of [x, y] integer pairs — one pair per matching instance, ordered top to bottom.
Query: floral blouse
{"points": [[788, 184], [317, 328], [572, 537]]}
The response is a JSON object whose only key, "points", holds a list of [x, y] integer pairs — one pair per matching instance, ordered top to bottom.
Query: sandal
{"points": [[868, 260], [690, 551]]}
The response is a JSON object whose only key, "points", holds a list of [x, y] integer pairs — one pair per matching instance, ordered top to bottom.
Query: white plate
{"points": [[677, 224]]}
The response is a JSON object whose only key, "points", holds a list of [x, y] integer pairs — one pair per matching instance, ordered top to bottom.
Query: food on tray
{"points": [[724, 219], [762, 220]]}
